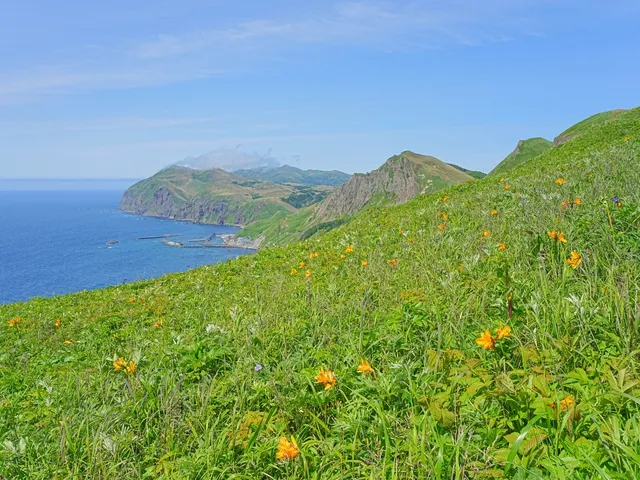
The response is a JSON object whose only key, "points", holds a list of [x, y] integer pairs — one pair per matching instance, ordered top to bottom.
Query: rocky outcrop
{"points": [[399, 179], [395, 181]]}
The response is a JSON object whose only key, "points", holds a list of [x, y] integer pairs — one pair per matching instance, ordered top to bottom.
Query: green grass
{"points": [[580, 127], [526, 150], [474, 173], [279, 229], [439, 405]]}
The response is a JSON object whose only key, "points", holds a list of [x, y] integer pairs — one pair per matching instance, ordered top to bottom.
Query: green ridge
{"points": [[525, 151], [559, 398]]}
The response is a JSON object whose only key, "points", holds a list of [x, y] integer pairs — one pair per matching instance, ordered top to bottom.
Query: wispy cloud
{"points": [[416, 24], [211, 50], [106, 124]]}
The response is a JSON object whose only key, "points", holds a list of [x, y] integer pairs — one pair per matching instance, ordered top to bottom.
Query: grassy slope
{"points": [[584, 125], [527, 149], [434, 168], [474, 173], [432, 175], [438, 407]]}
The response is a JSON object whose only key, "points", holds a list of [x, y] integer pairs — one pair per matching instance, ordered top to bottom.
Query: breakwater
{"points": [[166, 235]]}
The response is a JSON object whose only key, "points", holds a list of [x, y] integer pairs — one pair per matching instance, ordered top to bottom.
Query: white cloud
{"points": [[230, 160]]}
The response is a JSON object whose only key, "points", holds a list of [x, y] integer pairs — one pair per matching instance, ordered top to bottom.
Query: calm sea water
{"points": [[53, 241]]}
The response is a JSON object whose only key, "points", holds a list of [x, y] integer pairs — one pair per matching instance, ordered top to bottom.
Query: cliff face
{"points": [[400, 178], [200, 209]]}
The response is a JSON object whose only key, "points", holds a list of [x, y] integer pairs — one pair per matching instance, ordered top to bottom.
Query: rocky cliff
{"points": [[400, 178], [201, 209]]}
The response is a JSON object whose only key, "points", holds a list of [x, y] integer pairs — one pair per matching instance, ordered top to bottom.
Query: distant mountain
{"points": [[524, 151], [289, 174], [478, 175], [400, 178], [216, 196]]}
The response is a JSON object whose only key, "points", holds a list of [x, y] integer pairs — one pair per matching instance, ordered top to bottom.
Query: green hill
{"points": [[583, 126], [525, 151], [474, 173], [289, 174], [400, 178], [216, 196], [227, 357]]}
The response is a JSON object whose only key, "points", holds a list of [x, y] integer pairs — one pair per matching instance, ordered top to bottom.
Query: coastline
{"points": [[180, 220]]}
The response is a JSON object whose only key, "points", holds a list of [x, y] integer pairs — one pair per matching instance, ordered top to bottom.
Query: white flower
{"points": [[211, 328]]}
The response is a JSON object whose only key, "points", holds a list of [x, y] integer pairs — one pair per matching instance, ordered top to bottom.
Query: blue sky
{"points": [[120, 89]]}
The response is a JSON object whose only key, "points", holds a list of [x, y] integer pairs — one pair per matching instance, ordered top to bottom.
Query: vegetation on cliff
{"points": [[216, 196]]}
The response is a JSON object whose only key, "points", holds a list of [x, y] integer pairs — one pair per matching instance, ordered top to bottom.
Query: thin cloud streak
{"points": [[364, 23], [170, 58]]}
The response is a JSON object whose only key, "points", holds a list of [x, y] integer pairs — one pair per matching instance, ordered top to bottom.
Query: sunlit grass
{"points": [[407, 344]]}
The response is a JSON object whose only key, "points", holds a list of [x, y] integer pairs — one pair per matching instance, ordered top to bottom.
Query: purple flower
{"points": [[616, 201], [258, 367]]}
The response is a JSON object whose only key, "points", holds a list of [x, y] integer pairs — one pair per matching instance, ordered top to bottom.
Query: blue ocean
{"points": [[53, 240]]}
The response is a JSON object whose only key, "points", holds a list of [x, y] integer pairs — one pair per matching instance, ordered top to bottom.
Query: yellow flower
{"points": [[626, 139], [502, 180], [560, 181], [507, 187], [445, 199], [577, 201], [565, 203], [494, 212], [443, 215], [442, 226], [402, 232], [486, 233], [557, 236], [411, 240], [502, 246], [349, 249], [313, 255], [343, 256], [574, 260], [393, 262], [364, 264], [302, 265], [294, 271], [307, 275], [131, 299], [14, 321], [58, 323], [158, 324], [503, 332], [486, 341], [68, 342], [119, 364], [131, 367], [365, 367], [326, 378], [567, 403], [287, 450]]}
